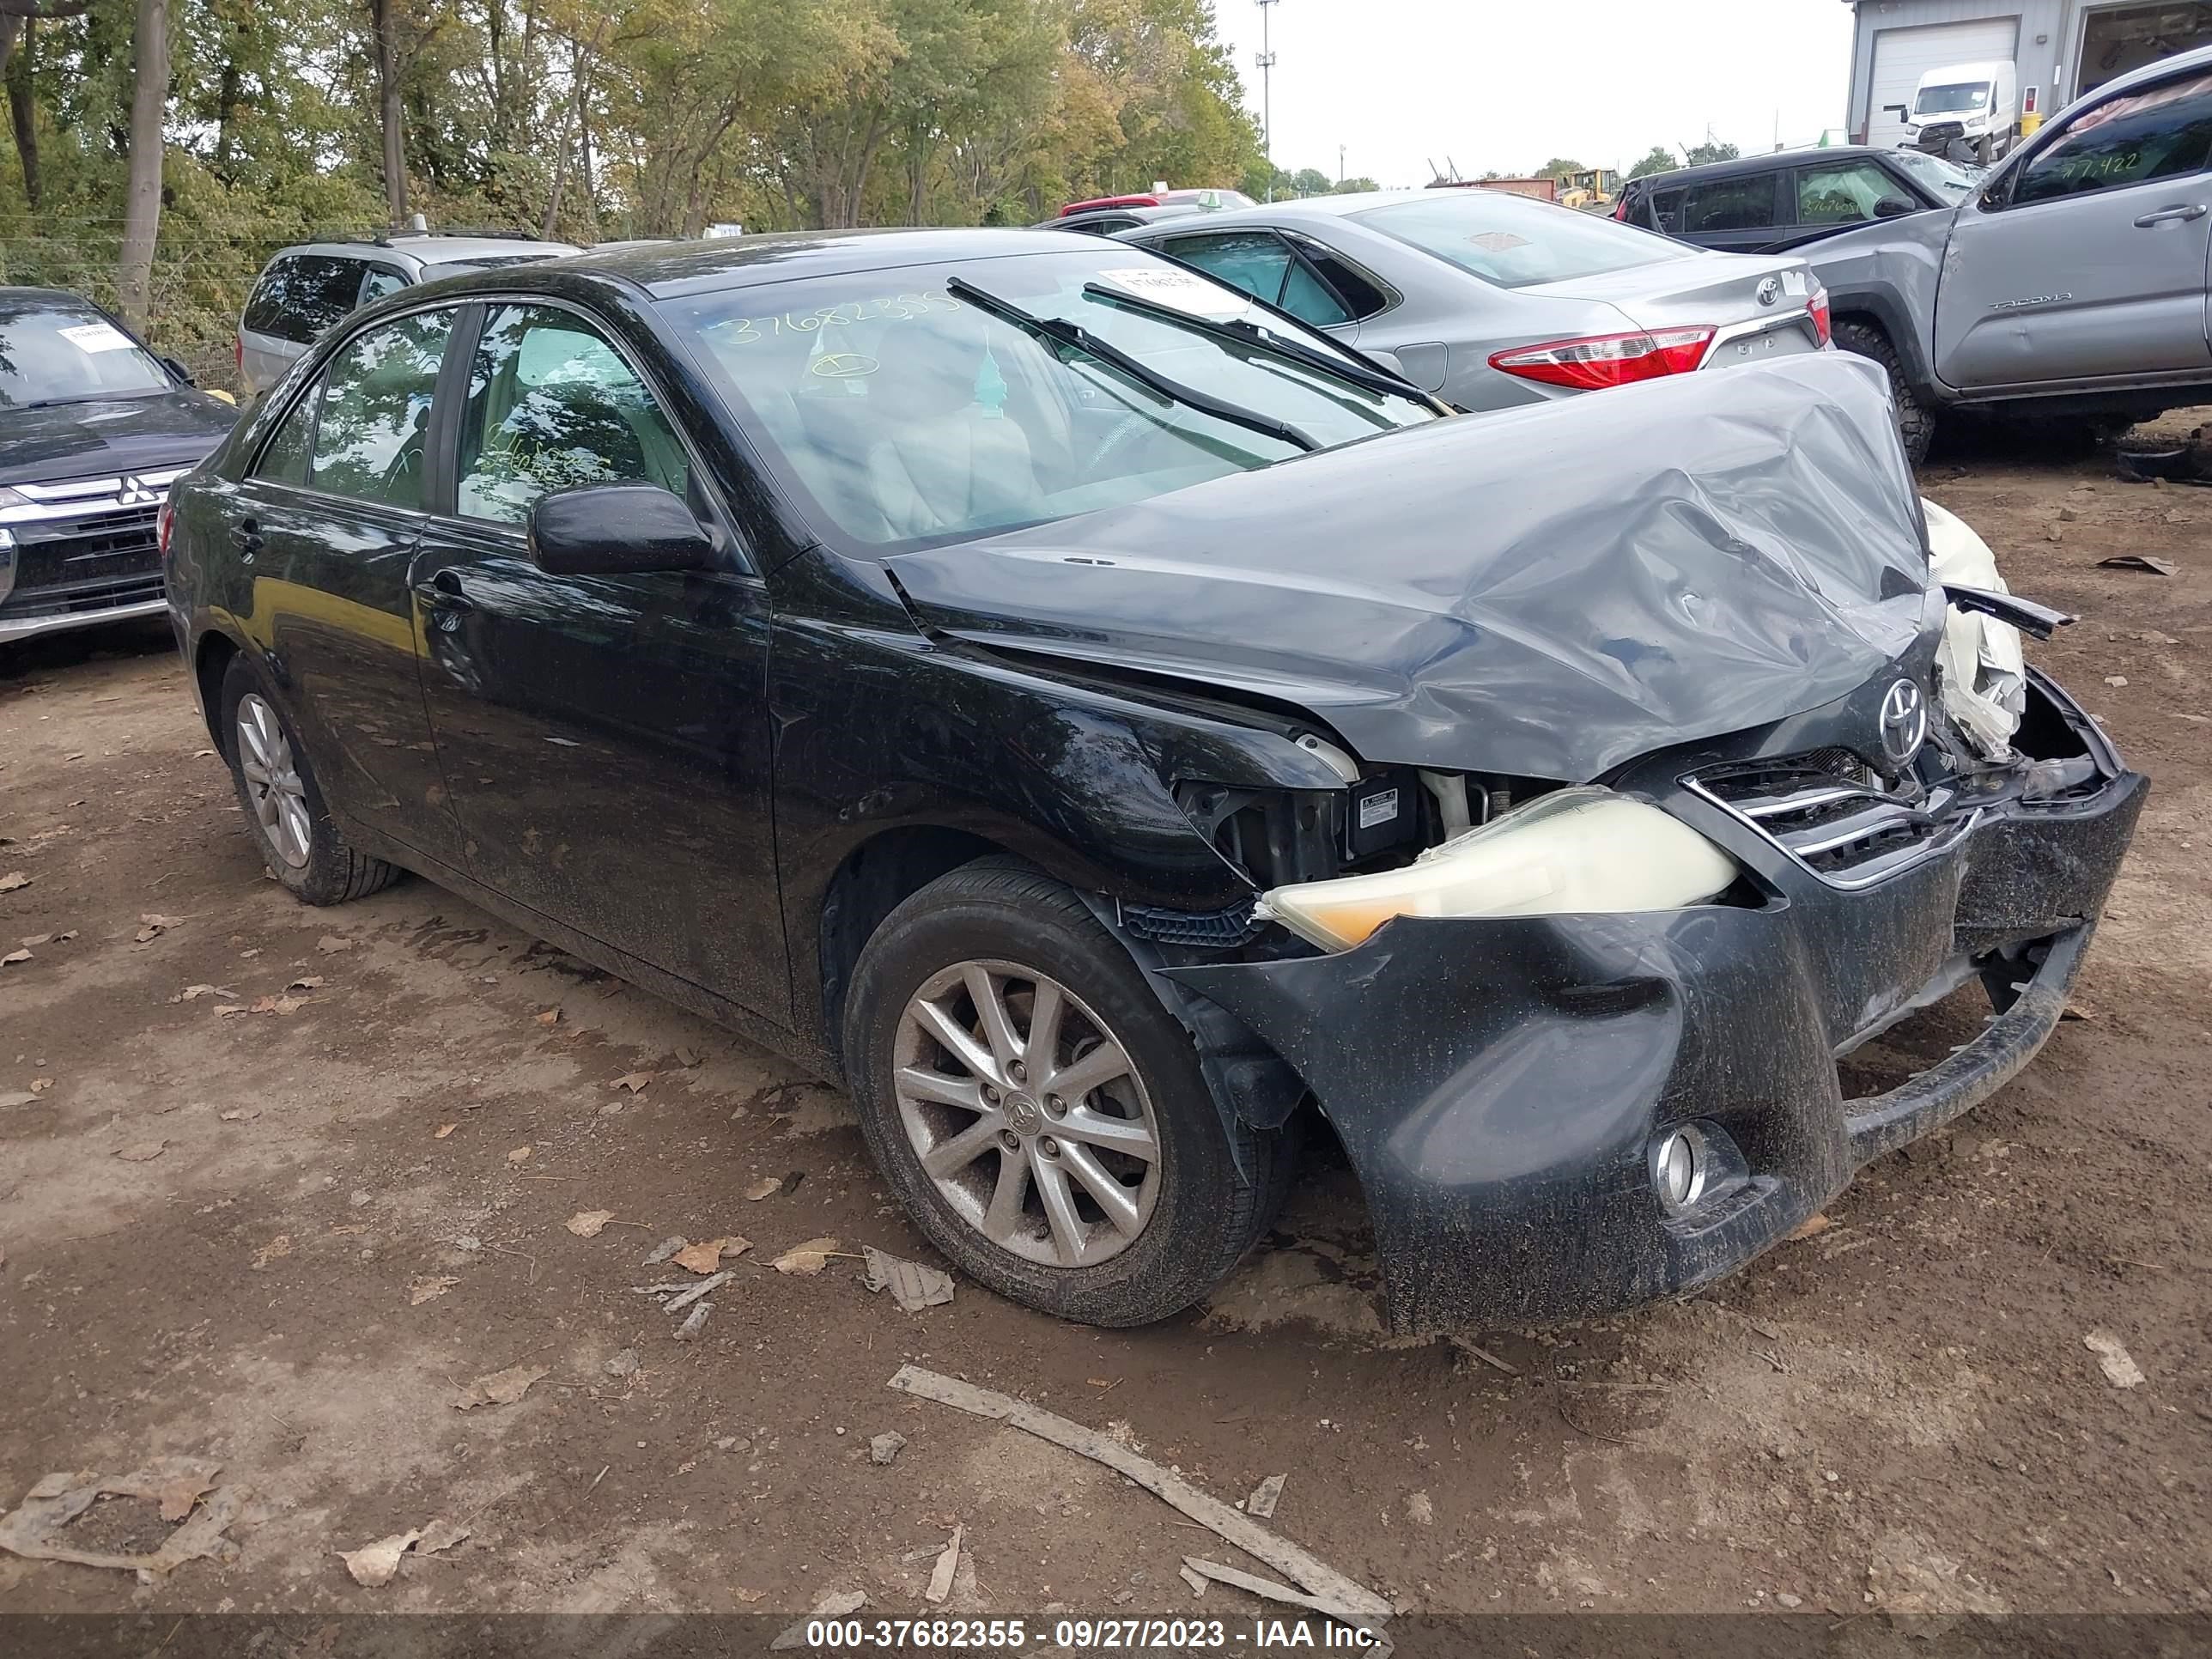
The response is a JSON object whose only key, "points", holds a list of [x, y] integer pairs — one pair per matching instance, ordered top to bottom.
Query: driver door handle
{"points": [[2171, 215], [443, 593]]}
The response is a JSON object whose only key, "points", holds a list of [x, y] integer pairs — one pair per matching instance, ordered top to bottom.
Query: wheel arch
{"points": [[1873, 308], [212, 656]]}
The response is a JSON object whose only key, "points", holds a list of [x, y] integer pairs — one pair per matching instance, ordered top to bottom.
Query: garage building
{"points": [[2059, 48]]}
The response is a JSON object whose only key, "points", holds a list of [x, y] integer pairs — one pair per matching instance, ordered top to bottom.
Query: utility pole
{"points": [[1266, 60], [1340, 164]]}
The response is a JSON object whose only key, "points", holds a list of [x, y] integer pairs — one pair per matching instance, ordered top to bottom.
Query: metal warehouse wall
{"points": [[2055, 20]]}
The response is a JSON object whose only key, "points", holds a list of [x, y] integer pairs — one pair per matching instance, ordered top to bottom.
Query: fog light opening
{"points": [[1678, 1166]]}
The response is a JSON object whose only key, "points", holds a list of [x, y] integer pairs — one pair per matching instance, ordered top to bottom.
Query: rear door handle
{"points": [[2171, 215], [443, 593]]}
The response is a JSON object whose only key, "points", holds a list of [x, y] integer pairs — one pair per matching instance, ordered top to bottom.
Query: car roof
{"points": [[1783, 158], [1313, 209], [431, 248], [755, 258], [34, 292]]}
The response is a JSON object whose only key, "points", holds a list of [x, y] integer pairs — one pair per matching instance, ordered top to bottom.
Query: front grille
{"points": [[101, 547], [80, 599], [1826, 811]]}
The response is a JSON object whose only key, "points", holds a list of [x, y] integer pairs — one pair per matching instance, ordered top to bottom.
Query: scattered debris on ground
{"points": [[766, 1186], [588, 1223], [660, 1252], [705, 1257], [808, 1258], [912, 1286], [2115, 1361], [885, 1447], [1265, 1497], [33, 1529], [948, 1563], [373, 1565], [1316, 1576]]}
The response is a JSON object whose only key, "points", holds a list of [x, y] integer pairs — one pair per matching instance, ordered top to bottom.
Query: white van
{"points": [[1968, 112]]}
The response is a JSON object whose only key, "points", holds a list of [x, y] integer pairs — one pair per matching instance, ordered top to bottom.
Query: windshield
{"points": [[1959, 98], [1948, 180], [1515, 243], [53, 351], [908, 415]]}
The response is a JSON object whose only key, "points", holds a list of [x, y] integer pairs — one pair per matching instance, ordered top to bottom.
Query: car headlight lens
{"points": [[1575, 851]]}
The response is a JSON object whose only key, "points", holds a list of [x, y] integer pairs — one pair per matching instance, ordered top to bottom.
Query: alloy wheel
{"points": [[272, 782], [1027, 1113]]}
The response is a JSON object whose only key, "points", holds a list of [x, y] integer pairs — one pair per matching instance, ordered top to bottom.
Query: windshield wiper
{"points": [[1249, 333], [1075, 338]]}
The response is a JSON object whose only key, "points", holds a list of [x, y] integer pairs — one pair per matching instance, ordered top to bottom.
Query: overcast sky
{"points": [[1510, 84]]}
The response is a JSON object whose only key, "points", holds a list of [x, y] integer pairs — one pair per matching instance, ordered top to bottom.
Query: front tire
{"points": [[1916, 421], [284, 804], [1039, 1113]]}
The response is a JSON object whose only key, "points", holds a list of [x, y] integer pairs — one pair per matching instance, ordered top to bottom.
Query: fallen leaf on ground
{"points": [[12, 880], [155, 926], [64, 937], [30, 940], [329, 944], [13, 957], [307, 982], [194, 992], [278, 1004], [551, 1017], [633, 1081], [40, 1084], [443, 1130], [142, 1151], [519, 1156], [766, 1186], [588, 1223], [1811, 1226], [275, 1249], [660, 1252], [704, 1257], [808, 1258], [429, 1290], [2115, 1361], [499, 1387], [178, 1496], [35, 1529], [440, 1534], [373, 1564]]}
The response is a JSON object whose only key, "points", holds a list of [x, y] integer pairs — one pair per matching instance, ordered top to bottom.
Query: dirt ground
{"points": [[287, 1239]]}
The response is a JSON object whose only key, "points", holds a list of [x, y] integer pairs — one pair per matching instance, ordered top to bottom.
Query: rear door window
{"points": [[2161, 132], [1845, 192], [1743, 202], [1261, 263], [380, 281], [302, 295], [375, 412]]}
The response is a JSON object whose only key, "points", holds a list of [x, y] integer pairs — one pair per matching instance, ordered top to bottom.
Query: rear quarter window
{"points": [[302, 295]]}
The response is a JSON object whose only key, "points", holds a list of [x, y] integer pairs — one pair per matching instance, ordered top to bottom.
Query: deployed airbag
{"points": [[1979, 670]]}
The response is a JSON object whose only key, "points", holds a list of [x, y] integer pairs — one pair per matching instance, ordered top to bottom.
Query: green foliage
{"points": [[600, 121], [1698, 156], [1657, 159], [1559, 168], [1356, 186]]}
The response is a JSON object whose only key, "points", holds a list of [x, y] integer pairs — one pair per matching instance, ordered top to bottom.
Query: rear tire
{"points": [[1916, 421], [285, 813], [1114, 1200]]}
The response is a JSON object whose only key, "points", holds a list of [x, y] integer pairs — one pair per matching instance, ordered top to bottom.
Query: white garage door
{"points": [[1901, 57]]}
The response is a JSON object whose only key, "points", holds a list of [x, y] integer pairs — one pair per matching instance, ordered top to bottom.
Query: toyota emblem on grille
{"points": [[1904, 721]]}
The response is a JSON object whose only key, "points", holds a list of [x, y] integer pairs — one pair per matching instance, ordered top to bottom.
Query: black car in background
{"points": [[1767, 204], [94, 429], [1102, 721]]}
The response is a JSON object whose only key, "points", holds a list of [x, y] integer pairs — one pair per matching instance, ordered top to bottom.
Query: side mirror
{"points": [[1894, 206], [177, 369], [617, 530]]}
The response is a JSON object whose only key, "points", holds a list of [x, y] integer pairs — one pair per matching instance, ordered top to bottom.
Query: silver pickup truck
{"points": [[2071, 284]]}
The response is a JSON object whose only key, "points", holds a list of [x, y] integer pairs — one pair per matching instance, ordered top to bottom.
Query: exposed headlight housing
{"points": [[1575, 851]]}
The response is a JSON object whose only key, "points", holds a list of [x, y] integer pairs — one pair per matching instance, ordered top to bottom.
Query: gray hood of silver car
{"points": [[1545, 591]]}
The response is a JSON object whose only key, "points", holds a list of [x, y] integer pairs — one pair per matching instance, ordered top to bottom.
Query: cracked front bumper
{"points": [[1498, 1084]]}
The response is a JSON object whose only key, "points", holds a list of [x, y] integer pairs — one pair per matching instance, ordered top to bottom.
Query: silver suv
{"points": [[304, 290]]}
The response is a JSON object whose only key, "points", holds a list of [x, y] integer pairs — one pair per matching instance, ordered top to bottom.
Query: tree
{"points": [[390, 120], [1698, 156], [1657, 159], [1559, 168], [1310, 181], [1356, 186], [142, 200]]}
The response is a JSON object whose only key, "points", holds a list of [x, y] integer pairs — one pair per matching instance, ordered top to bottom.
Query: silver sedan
{"points": [[1490, 300]]}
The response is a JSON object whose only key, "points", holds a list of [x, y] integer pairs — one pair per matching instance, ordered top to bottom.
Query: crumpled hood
{"points": [[1545, 592]]}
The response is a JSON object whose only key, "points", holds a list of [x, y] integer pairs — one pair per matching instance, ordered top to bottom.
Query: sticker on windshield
{"points": [[1497, 241], [1179, 288], [97, 337]]}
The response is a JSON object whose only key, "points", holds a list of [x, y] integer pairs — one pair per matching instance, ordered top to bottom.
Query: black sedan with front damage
{"points": [[1104, 722]]}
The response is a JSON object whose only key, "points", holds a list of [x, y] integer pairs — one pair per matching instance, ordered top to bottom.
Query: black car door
{"points": [[327, 520], [605, 739]]}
